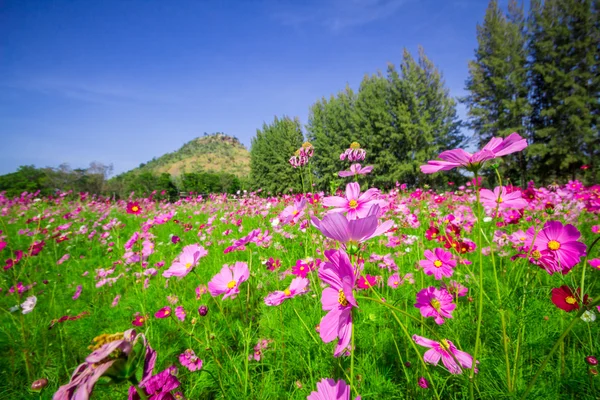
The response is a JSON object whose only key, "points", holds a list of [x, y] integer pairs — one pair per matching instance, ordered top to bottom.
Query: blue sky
{"points": [[122, 81]]}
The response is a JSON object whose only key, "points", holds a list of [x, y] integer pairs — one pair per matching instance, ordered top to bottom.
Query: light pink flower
{"points": [[355, 169], [501, 200], [354, 204], [187, 259], [227, 281], [297, 286], [77, 292], [338, 299], [180, 313], [445, 350], [189, 360], [328, 389]]}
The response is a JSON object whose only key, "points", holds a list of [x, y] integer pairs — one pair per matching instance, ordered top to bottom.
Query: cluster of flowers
{"points": [[302, 155]]}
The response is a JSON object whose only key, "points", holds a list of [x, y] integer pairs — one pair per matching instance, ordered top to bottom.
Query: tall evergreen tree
{"points": [[565, 88], [497, 102], [271, 149]]}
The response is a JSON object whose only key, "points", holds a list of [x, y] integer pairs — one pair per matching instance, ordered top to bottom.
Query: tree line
{"points": [[535, 74]]}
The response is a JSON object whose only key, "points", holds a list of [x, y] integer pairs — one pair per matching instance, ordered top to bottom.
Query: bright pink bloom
{"points": [[496, 147], [355, 169], [501, 200], [354, 204], [134, 208], [293, 214], [336, 226], [555, 247], [187, 259], [439, 263], [595, 263], [228, 280], [366, 281], [394, 281], [297, 286], [455, 289], [77, 292], [338, 299], [436, 303], [164, 312], [180, 313], [445, 350], [189, 360], [423, 382], [328, 389]]}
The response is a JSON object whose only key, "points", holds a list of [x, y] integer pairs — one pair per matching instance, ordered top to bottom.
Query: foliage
{"points": [[401, 119], [271, 149]]}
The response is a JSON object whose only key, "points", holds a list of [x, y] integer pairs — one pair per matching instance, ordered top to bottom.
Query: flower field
{"points": [[483, 291]]}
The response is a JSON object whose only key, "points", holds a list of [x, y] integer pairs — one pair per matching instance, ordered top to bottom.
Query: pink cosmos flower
{"points": [[496, 147], [355, 169], [500, 200], [354, 204], [294, 213], [336, 226], [555, 248], [63, 259], [187, 259], [439, 263], [595, 263], [303, 267], [227, 281], [367, 281], [394, 281], [297, 287], [455, 289], [200, 290], [77, 292], [338, 299], [436, 303], [164, 312], [180, 313], [445, 350], [189, 360], [423, 382], [159, 386], [328, 389]]}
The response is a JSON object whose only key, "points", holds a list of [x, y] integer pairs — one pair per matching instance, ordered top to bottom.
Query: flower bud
{"points": [[203, 310], [591, 360], [39, 384]]}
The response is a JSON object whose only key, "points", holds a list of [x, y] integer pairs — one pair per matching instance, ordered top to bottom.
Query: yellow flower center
{"points": [[307, 145], [354, 145], [297, 153], [500, 199], [352, 203], [135, 208], [296, 212], [433, 235], [553, 245], [536, 254], [437, 263], [188, 265], [301, 268], [231, 284], [287, 292], [342, 298], [570, 300], [435, 303], [141, 320], [103, 339], [444, 344]]}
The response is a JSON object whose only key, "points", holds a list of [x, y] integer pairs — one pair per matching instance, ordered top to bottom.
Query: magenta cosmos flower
{"points": [[496, 147], [355, 169], [500, 200], [354, 204], [293, 214], [336, 226], [557, 243], [187, 259], [439, 263], [228, 280], [297, 286], [338, 299], [436, 303], [445, 350], [110, 351], [189, 360], [328, 389]]}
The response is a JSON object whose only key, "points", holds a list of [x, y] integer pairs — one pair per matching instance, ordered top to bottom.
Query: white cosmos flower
{"points": [[29, 304], [588, 316]]}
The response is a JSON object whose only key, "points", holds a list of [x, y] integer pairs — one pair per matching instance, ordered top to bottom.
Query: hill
{"points": [[211, 153]]}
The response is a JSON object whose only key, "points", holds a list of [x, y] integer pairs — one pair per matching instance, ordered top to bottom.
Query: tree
{"points": [[565, 87], [497, 102], [271, 149]]}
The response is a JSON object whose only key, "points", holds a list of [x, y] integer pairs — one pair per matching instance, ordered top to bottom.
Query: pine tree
{"points": [[564, 87], [497, 102], [269, 156]]}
